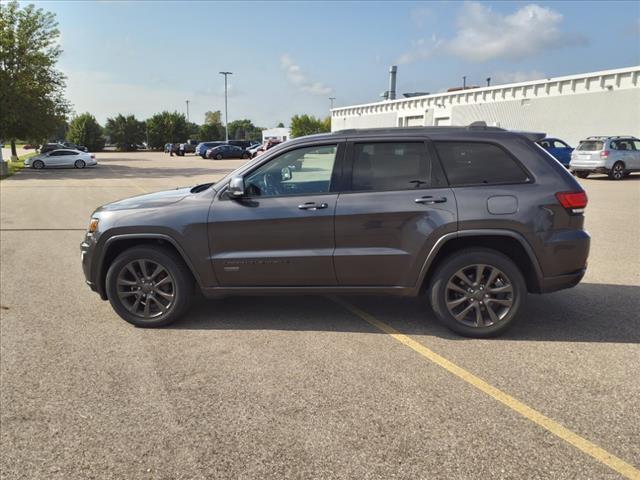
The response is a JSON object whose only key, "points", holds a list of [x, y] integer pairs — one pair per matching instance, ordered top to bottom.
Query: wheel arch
{"points": [[509, 243], [117, 244]]}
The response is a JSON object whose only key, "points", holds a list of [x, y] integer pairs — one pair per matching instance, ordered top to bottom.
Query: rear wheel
{"points": [[38, 164], [79, 164], [617, 171], [582, 174], [149, 286], [477, 292]]}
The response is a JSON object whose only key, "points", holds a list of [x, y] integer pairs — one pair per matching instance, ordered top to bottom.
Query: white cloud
{"points": [[421, 16], [484, 35], [422, 49], [295, 76], [516, 77]]}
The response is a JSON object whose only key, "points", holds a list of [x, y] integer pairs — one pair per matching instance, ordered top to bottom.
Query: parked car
{"points": [[241, 143], [73, 146], [50, 147], [188, 147], [202, 147], [254, 149], [558, 149], [227, 151], [615, 156], [61, 158], [472, 218]]}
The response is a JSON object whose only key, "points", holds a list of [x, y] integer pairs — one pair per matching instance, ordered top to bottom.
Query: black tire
{"points": [[245, 155], [219, 156], [38, 164], [79, 164], [617, 171], [582, 174], [181, 282], [479, 302]]}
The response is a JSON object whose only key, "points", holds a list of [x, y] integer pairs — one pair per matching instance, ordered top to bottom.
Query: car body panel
{"points": [[269, 245]]}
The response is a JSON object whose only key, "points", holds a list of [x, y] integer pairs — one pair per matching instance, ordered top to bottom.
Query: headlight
{"points": [[93, 225]]}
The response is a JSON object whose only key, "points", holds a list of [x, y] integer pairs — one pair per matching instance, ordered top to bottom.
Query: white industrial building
{"points": [[570, 108], [278, 133]]}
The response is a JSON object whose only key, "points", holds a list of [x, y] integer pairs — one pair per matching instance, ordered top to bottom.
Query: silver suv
{"points": [[615, 156]]}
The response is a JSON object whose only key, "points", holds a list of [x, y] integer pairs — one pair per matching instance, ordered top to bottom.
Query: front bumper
{"points": [[87, 252]]}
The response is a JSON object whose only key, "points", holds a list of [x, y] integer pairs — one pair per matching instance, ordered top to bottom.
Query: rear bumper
{"points": [[560, 282]]}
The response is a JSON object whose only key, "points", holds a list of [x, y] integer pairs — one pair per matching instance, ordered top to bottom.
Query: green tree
{"points": [[31, 88], [213, 118], [280, 125], [302, 125], [167, 127], [85, 130], [244, 130], [125, 132], [209, 132]]}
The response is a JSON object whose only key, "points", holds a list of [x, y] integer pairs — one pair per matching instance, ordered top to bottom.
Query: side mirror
{"points": [[285, 174], [236, 187]]}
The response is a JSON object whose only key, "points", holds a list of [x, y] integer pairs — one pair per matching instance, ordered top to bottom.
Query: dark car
{"points": [[74, 146], [50, 147], [188, 147], [202, 147], [558, 148], [227, 151], [473, 218]]}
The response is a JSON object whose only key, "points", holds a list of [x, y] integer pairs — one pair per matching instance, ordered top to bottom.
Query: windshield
{"points": [[590, 145]]}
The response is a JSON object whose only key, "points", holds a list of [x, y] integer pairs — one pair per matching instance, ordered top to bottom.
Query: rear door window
{"points": [[590, 146], [475, 163], [385, 166]]}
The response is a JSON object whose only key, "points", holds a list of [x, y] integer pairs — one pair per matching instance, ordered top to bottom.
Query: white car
{"points": [[62, 158]]}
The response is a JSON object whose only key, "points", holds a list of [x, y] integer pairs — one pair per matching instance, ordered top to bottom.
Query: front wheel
{"points": [[219, 156], [245, 156], [38, 164], [617, 171], [149, 286], [478, 292]]}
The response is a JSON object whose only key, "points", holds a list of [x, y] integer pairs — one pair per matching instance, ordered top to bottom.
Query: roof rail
{"points": [[482, 125]]}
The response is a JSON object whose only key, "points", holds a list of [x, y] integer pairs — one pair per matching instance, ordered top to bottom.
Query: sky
{"points": [[289, 57]]}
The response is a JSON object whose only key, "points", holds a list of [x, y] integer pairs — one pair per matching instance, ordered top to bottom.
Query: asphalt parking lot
{"points": [[304, 387]]}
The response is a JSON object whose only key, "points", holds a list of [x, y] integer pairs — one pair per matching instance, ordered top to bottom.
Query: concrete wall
{"points": [[571, 108]]}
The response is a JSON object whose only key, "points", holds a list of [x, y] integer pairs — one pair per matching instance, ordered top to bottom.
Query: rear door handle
{"points": [[429, 200], [312, 206]]}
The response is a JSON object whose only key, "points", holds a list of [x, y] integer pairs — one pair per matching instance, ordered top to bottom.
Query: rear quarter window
{"points": [[475, 163]]}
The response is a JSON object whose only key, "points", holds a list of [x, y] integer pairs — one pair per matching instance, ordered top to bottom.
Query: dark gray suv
{"points": [[473, 218]]}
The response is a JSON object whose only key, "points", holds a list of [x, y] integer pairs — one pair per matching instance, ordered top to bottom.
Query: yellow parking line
{"points": [[623, 468]]}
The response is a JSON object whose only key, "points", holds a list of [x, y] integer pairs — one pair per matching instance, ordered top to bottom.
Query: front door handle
{"points": [[429, 200], [312, 206]]}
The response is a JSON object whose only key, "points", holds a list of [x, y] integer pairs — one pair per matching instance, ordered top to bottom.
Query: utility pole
{"points": [[488, 81], [464, 83], [332, 99], [187, 102], [226, 118]]}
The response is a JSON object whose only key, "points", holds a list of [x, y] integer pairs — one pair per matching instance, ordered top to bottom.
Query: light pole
{"points": [[331, 99], [187, 102], [226, 118]]}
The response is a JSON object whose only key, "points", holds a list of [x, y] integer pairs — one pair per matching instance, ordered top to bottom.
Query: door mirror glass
{"points": [[285, 173], [236, 187]]}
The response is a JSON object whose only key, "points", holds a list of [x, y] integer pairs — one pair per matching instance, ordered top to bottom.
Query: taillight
{"points": [[604, 153], [574, 201]]}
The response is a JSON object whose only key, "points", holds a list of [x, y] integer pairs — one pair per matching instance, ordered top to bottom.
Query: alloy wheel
{"points": [[618, 171], [146, 288], [479, 295]]}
